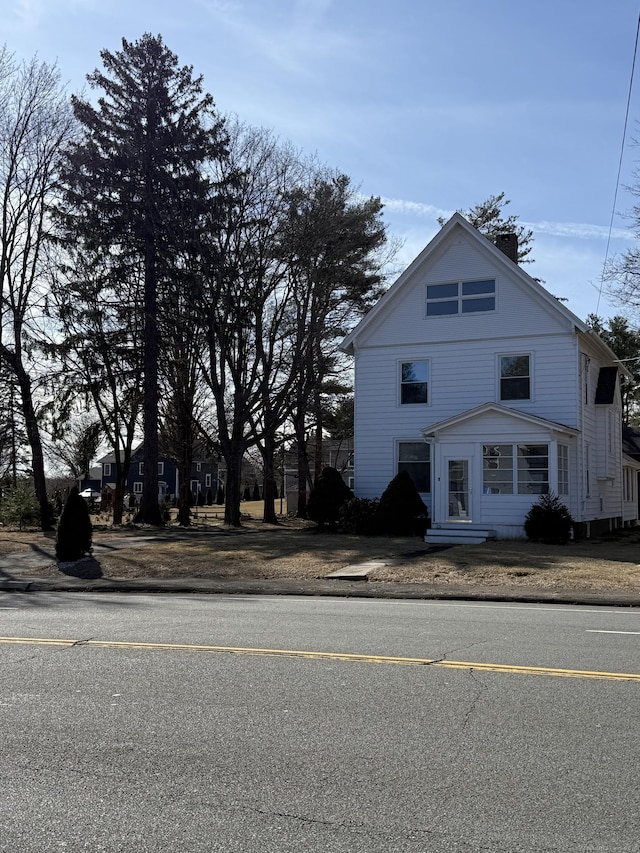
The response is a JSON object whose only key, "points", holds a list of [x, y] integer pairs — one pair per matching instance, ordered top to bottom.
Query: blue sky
{"points": [[433, 106]]}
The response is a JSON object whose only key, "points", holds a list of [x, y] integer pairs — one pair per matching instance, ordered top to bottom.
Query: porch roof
{"points": [[496, 409]]}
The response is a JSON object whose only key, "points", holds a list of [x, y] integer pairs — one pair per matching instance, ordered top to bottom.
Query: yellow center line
{"points": [[334, 656]]}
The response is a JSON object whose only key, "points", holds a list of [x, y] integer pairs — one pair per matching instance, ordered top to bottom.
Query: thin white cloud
{"points": [[27, 13], [294, 42], [415, 208], [573, 230], [579, 230]]}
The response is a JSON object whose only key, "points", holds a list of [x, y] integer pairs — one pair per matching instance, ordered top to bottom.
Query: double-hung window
{"points": [[461, 297], [515, 377], [414, 382], [414, 457]]}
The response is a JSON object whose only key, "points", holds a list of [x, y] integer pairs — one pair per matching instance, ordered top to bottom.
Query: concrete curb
{"points": [[321, 588]]}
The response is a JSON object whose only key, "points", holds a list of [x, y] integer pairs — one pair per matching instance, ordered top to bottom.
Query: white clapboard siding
{"points": [[406, 318], [464, 352]]}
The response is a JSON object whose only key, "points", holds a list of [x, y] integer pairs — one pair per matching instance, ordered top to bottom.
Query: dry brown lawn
{"points": [[296, 550]]}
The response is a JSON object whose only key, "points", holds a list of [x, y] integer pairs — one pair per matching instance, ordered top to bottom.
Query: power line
{"points": [[624, 137]]}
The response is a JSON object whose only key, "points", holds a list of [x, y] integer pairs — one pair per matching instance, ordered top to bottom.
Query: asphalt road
{"points": [[197, 723]]}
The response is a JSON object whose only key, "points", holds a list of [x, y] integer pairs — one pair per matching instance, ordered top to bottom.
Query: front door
{"points": [[458, 490]]}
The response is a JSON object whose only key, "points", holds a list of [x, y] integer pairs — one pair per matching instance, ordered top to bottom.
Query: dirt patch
{"points": [[296, 550]]}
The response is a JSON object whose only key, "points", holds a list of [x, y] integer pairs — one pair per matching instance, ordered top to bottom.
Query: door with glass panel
{"points": [[458, 490]]}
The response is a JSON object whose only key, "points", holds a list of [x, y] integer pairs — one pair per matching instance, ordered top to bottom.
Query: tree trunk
{"points": [[35, 443], [122, 464], [304, 472], [233, 485], [269, 486], [118, 496], [184, 502], [149, 507]]}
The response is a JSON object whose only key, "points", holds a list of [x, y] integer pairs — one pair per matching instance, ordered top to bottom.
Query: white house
{"points": [[489, 391]]}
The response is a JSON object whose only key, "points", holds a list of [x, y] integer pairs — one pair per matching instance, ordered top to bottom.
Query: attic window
{"points": [[461, 297]]}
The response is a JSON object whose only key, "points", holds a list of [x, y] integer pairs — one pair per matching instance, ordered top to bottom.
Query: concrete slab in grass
{"points": [[359, 572]]}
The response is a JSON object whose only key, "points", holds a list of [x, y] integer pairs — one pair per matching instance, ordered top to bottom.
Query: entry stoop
{"points": [[458, 535]]}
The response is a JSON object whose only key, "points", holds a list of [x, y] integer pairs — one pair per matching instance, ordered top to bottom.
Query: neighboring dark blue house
{"points": [[203, 478]]}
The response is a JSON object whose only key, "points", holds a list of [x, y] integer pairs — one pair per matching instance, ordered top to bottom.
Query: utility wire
{"points": [[624, 137]]}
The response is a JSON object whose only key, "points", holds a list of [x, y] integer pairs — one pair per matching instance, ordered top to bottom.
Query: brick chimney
{"points": [[508, 243]]}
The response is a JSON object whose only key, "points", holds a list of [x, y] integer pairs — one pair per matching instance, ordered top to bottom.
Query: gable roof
{"points": [[458, 222], [496, 409]]}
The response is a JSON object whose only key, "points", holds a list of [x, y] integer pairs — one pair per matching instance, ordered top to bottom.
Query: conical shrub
{"points": [[327, 496], [401, 511], [548, 520], [73, 539]]}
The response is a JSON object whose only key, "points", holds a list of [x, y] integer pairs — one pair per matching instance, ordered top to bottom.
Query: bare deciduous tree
{"points": [[35, 123]]}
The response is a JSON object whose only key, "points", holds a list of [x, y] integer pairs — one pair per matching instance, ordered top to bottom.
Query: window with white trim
{"points": [[461, 297], [515, 377], [414, 382], [414, 457], [140, 468], [106, 469], [160, 469], [497, 469], [521, 469], [533, 469], [563, 469], [629, 480], [207, 481], [137, 488]]}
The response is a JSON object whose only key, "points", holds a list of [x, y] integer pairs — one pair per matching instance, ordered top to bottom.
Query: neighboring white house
{"points": [[489, 391]]}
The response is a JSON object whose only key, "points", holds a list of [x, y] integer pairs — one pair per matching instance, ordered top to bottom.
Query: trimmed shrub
{"points": [[256, 492], [247, 493], [220, 496], [327, 496], [209, 497], [165, 509], [402, 511], [358, 515], [548, 520], [73, 539]]}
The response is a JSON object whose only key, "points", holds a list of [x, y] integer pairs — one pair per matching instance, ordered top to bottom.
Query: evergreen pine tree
{"points": [[137, 191], [73, 539]]}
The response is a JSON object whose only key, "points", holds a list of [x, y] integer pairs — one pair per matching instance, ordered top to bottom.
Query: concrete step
{"points": [[458, 535]]}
